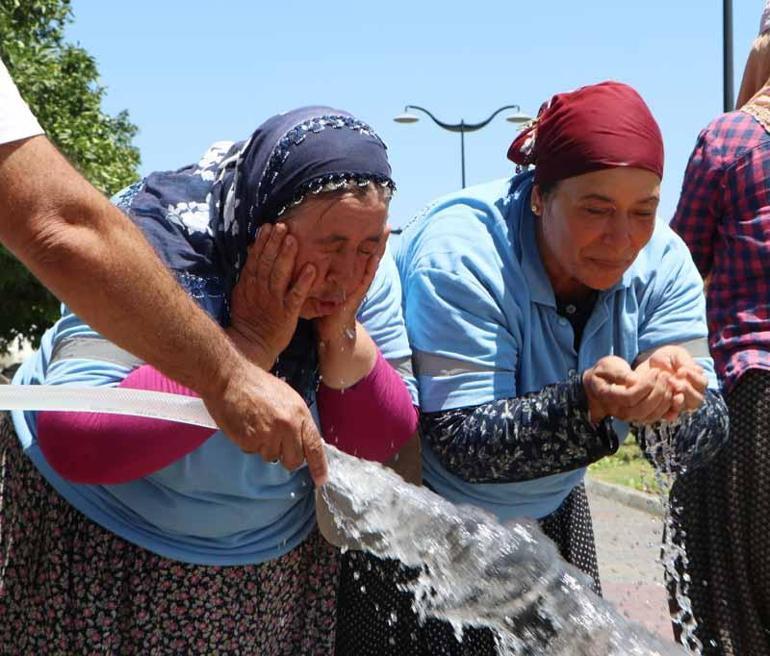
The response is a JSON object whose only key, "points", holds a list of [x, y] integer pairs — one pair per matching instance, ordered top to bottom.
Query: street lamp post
{"points": [[727, 55], [462, 127]]}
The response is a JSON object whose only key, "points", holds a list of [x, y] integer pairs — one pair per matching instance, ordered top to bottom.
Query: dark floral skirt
{"points": [[723, 512], [68, 586]]}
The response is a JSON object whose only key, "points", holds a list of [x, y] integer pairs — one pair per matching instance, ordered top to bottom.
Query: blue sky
{"points": [[193, 72]]}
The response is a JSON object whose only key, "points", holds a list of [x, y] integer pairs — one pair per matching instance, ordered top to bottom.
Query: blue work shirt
{"points": [[483, 326], [216, 505]]}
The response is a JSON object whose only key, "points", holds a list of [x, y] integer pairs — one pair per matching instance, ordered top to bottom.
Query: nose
{"points": [[617, 233], [342, 272]]}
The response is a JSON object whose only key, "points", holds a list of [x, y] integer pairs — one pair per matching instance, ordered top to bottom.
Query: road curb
{"points": [[629, 497]]}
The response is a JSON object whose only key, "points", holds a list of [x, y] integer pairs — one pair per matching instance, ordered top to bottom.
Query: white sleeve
{"points": [[16, 119]]}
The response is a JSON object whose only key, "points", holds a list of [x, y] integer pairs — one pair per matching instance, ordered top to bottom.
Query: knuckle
{"points": [[312, 444], [269, 452], [292, 461]]}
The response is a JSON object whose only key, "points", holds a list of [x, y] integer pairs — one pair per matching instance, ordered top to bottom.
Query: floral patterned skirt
{"points": [[68, 586]]}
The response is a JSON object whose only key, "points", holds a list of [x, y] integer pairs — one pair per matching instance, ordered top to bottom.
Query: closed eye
{"points": [[599, 211]]}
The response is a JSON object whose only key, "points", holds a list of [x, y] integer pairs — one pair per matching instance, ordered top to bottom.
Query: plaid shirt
{"points": [[724, 217]]}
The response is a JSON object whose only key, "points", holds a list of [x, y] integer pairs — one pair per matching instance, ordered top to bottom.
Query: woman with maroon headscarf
{"points": [[547, 313]]}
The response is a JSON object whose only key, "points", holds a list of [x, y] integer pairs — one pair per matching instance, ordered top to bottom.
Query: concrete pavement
{"points": [[628, 545]]}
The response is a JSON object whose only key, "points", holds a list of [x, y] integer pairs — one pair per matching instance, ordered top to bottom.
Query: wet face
{"points": [[592, 226], [337, 235]]}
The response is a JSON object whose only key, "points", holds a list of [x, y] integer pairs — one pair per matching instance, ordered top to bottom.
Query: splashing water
{"points": [[668, 465], [474, 571]]}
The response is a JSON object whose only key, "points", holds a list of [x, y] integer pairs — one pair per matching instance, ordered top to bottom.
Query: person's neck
{"points": [[566, 288]]}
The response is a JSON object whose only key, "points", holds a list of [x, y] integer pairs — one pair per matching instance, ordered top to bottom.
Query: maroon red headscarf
{"points": [[596, 127]]}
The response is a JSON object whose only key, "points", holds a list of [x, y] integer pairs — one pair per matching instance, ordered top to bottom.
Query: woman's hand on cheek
{"points": [[267, 299]]}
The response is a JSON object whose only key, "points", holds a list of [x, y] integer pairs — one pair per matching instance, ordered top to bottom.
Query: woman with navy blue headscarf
{"points": [[131, 535]]}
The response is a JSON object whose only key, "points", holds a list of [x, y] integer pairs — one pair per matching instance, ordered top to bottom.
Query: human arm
{"points": [[700, 203], [90, 255], [673, 340], [346, 351], [472, 354], [376, 417], [564, 426], [387, 427], [699, 429], [520, 438], [92, 447], [107, 449]]}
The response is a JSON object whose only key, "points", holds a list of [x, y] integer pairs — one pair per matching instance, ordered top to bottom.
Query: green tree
{"points": [[60, 81]]}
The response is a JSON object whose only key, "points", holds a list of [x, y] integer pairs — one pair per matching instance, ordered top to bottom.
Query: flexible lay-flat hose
{"points": [[111, 400]]}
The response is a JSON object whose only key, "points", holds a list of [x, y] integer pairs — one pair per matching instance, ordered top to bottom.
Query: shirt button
{"points": [[571, 309], [563, 321], [571, 372]]}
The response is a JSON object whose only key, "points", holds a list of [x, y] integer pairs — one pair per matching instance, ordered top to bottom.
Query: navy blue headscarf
{"points": [[202, 218]]}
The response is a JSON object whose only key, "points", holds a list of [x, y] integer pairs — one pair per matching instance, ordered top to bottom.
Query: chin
{"points": [[602, 283], [314, 309]]}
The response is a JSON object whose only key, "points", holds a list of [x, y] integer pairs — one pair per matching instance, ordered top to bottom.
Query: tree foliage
{"points": [[60, 82]]}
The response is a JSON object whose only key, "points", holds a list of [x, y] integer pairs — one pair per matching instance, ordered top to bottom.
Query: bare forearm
{"points": [[93, 258], [346, 358]]}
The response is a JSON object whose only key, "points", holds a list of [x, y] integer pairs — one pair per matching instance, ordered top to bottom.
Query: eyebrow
{"points": [[607, 199], [336, 239]]}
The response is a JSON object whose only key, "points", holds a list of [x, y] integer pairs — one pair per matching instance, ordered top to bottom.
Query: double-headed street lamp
{"points": [[462, 127]]}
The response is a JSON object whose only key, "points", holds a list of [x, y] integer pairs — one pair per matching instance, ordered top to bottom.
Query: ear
{"points": [[536, 200]]}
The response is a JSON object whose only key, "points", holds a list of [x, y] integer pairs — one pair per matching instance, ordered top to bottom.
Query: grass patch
{"points": [[627, 467]]}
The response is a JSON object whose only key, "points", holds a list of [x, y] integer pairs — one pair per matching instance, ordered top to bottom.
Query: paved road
{"points": [[627, 542]]}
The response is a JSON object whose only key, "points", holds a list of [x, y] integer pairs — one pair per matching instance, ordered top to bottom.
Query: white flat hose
{"points": [[111, 400]]}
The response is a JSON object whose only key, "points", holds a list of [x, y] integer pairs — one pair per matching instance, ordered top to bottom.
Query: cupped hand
{"points": [[688, 380], [614, 389]]}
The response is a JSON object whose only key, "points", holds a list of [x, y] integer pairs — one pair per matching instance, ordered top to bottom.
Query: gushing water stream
{"points": [[474, 571]]}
